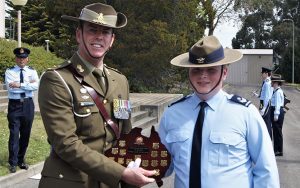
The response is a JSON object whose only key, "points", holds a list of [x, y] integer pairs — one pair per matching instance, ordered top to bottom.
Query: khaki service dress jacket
{"points": [[76, 131]]}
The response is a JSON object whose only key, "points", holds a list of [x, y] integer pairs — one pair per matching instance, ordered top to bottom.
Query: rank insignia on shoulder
{"points": [[180, 100], [240, 100]]}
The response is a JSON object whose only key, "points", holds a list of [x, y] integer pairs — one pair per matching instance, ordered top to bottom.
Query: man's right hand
{"points": [[262, 111], [137, 176]]}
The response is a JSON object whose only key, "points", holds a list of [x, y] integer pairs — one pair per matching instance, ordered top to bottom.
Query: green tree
{"points": [[36, 24], [268, 28], [156, 32]]}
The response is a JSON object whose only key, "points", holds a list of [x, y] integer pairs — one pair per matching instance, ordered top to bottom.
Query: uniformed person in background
{"points": [[21, 81], [265, 98], [277, 113], [77, 132], [216, 139]]}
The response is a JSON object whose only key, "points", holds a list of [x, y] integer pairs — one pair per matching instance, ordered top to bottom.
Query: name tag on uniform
{"points": [[122, 108]]}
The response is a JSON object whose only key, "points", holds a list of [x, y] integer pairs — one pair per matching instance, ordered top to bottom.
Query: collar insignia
{"points": [[79, 68]]}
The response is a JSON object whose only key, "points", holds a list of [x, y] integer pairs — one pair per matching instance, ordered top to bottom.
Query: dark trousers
{"points": [[20, 117], [268, 119], [277, 130]]}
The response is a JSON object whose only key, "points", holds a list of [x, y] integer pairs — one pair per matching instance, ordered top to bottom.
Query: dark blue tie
{"points": [[21, 76], [22, 81], [195, 165]]}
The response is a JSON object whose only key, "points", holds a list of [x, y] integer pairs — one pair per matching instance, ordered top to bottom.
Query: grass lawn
{"points": [[37, 150]]}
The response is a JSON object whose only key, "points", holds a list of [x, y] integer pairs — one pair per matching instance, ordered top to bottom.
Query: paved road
{"points": [[289, 164]]}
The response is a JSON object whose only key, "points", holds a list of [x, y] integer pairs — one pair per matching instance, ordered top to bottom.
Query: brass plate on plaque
{"points": [[152, 152]]}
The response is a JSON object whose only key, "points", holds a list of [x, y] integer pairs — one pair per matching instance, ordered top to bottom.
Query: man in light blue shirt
{"points": [[21, 81], [265, 98], [277, 114], [233, 148]]}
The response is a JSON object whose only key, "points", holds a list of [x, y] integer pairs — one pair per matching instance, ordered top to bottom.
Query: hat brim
{"points": [[121, 20], [22, 56], [230, 56], [278, 80]]}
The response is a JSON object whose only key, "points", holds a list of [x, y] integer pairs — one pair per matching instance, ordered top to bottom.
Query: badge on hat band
{"points": [[87, 14], [215, 56]]}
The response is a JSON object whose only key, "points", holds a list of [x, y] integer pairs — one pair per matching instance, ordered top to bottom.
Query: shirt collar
{"points": [[215, 101]]}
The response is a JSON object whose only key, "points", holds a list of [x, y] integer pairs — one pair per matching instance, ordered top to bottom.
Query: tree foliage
{"points": [[272, 28], [157, 30]]}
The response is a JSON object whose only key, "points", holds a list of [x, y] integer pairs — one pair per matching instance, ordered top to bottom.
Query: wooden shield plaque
{"points": [[152, 152]]}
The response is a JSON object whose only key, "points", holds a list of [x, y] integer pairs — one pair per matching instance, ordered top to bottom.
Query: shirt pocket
{"points": [[86, 116], [179, 146], [224, 148]]}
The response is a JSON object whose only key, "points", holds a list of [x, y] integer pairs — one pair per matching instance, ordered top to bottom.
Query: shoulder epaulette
{"points": [[62, 65], [11, 67], [30, 67], [116, 70], [180, 100], [240, 100]]}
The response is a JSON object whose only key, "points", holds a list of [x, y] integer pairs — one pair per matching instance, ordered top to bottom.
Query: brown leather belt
{"points": [[20, 100]]}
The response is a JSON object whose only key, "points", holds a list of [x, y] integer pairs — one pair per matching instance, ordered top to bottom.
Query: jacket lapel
{"points": [[111, 82]]}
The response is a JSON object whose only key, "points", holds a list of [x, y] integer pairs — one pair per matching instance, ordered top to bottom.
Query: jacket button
{"points": [[104, 101], [60, 176]]}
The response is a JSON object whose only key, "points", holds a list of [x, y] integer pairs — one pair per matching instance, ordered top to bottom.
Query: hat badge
{"points": [[100, 19], [21, 50], [201, 60]]}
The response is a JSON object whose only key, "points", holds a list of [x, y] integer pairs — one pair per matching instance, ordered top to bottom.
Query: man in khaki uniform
{"points": [[77, 132]]}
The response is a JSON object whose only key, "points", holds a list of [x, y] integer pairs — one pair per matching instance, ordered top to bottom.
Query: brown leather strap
{"points": [[98, 102], [102, 110]]}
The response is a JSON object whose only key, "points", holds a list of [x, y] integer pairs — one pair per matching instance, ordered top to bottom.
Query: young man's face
{"points": [[94, 40], [21, 62], [264, 75], [205, 79]]}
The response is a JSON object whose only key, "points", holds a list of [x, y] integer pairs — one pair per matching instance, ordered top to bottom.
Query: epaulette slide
{"points": [[62, 65], [116, 70], [240, 100]]}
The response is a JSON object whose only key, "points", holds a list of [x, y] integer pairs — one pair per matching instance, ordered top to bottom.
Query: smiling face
{"points": [[94, 41], [21, 62], [206, 80]]}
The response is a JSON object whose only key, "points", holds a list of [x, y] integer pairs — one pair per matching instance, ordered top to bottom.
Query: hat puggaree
{"points": [[100, 14]]}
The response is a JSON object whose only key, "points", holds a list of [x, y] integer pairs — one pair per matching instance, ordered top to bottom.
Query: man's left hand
{"points": [[14, 85]]}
